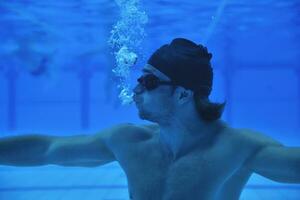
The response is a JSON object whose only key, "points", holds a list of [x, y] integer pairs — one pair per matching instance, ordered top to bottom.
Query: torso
{"points": [[214, 173]]}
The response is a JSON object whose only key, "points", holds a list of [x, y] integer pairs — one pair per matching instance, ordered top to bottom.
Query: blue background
{"points": [[56, 78]]}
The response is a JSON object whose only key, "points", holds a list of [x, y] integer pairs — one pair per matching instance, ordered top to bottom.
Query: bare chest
{"points": [[198, 175]]}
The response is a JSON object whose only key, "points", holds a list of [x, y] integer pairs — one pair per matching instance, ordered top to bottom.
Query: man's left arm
{"points": [[278, 163]]}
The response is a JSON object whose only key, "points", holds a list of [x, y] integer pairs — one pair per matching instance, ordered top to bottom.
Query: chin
{"points": [[141, 116], [144, 116], [149, 118]]}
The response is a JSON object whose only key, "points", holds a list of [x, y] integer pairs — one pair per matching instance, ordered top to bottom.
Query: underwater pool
{"points": [[69, 67]]}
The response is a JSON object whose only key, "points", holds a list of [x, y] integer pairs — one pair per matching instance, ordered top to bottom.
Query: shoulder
{"points": [[129, 132], [257, 138], [248, 141]]}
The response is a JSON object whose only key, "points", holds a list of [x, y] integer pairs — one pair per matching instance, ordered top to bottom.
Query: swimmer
{"points": [[185, 152]]}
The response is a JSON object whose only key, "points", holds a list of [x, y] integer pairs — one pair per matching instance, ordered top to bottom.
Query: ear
{"points": [[183, 95]]}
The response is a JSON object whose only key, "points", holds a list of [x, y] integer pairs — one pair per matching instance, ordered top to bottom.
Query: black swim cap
{"points": [[186, 64]]}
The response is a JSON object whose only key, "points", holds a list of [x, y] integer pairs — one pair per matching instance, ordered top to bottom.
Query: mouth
{"points": [[136, 99], [137, 103]]}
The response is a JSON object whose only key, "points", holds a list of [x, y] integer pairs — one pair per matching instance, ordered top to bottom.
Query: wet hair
{"points": [[207, 110]]}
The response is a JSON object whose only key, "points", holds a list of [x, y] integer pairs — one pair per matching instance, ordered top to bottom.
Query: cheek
{"points": [[158, 101]]}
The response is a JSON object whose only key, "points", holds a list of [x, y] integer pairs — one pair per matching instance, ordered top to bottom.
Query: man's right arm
{"points": [[78, 150]]}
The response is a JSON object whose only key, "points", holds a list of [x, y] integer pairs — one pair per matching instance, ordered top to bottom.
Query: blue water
{"points": [[56, 78]]}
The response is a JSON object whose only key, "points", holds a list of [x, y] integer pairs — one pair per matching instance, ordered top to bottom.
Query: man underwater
{"points": [[187, 153]]}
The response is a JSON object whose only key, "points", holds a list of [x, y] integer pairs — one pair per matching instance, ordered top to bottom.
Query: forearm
{"points": [[26, 150], [283, 165], [291, 169]]}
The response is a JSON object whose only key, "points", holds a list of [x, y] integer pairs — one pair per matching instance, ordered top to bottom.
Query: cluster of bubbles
{"points": [[126, 37]]}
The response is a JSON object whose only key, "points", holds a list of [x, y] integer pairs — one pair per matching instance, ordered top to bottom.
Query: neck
{"points": [[183, 134]]}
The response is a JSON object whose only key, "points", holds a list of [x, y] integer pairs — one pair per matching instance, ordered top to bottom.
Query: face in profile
{"points": [[154, 104]]}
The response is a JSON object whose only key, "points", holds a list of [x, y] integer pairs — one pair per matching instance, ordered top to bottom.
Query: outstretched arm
{"points": [[25, 150], [78, 150], [278, 163]]}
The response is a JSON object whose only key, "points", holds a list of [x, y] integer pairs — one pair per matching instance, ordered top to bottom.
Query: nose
{"points": [[138, 89]]}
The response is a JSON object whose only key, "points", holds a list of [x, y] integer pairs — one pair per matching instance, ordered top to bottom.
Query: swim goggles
{"points": [[151, 82]]}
